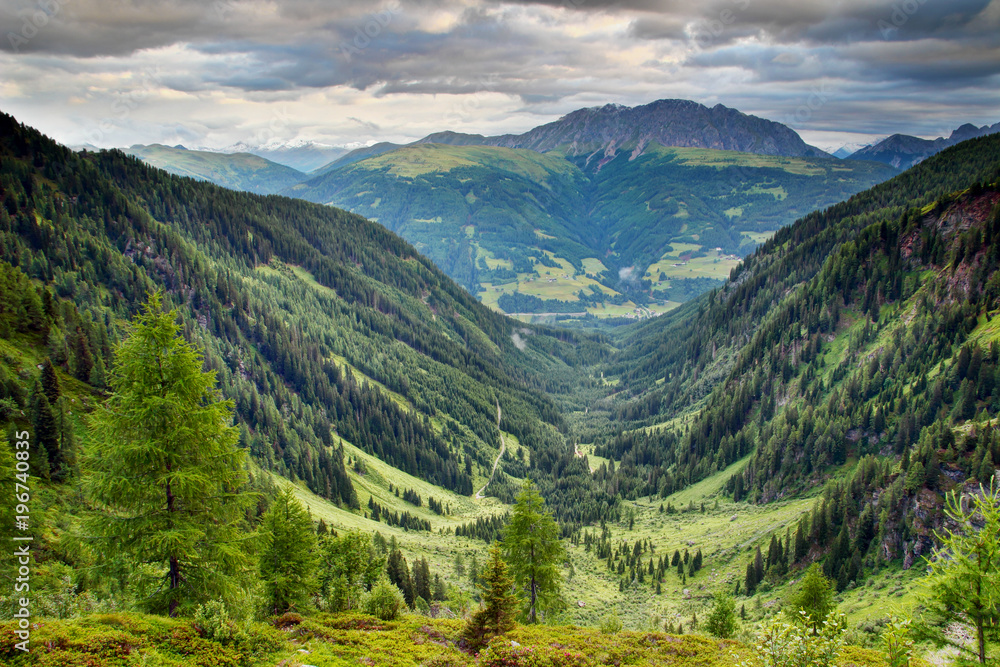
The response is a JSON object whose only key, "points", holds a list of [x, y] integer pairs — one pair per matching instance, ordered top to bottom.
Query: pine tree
{"points": [[163, 470], [531, 540], [288, 554], [496, 617]]}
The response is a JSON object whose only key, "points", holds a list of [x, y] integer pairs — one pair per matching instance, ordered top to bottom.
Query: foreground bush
{"points": [[384, 601], [107, 640]]}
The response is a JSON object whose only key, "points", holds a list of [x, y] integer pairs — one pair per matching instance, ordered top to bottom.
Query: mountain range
{"points": [[903, 151], [303, 156], [631, 210]]}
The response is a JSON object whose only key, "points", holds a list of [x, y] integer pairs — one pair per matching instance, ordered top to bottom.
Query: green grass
{"points": [[703, 157], [419, 159], [716, 265], [562, 283]]}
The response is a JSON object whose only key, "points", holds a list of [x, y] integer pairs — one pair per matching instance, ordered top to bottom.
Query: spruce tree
{"points": [[83, 360], [50, 381], [46, 432], [163, 471], [533, 549], [288, 554], [399, 574], [422, 579], [496, 616]]}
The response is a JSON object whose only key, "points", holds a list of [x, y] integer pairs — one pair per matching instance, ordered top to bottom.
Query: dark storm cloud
{"points": [[313, 44], [548, 56]]}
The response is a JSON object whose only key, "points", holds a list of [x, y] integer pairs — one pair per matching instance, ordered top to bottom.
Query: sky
{"points": [[213, 73]]}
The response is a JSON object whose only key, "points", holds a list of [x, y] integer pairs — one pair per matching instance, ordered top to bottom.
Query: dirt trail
{"points": [[503, 448]]}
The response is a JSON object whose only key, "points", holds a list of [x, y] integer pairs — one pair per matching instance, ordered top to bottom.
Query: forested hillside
{"points": [[548, 232], [319, 323]]}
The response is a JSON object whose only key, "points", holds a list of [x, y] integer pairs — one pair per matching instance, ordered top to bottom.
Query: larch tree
{"points": [[163, 471], [534, 552], [288, 556], [349, 567], [964, 580], [814, 596], [722, 620]]}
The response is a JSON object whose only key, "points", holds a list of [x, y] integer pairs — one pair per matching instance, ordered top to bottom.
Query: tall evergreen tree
{"points": [[83, 360], [50, 381], [46, 431], [163, 470], [533, 549], [288, 554], [399, 574], [422, 579]]}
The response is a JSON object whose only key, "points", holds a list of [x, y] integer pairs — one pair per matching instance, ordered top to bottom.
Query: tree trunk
{"points": [[175, 566], [175, 582], [534, 589], [534, 597], [980, 637]]}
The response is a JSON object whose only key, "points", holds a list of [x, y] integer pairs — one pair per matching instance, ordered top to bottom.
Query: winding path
{"points": [[503, 448]]}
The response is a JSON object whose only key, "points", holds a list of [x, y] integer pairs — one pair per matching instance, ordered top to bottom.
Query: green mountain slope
{"points": [[237, 171], [534, 232], [320, 324]]}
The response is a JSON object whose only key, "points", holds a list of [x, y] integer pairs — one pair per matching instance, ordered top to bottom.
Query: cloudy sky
{"points": [[215, 72]]}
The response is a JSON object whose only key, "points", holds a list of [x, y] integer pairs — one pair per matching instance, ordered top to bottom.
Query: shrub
{"points": [[384, 601], [287, 620], [213, 622], [611, 624], [897, 643], [782, 644], [502, 652]]}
